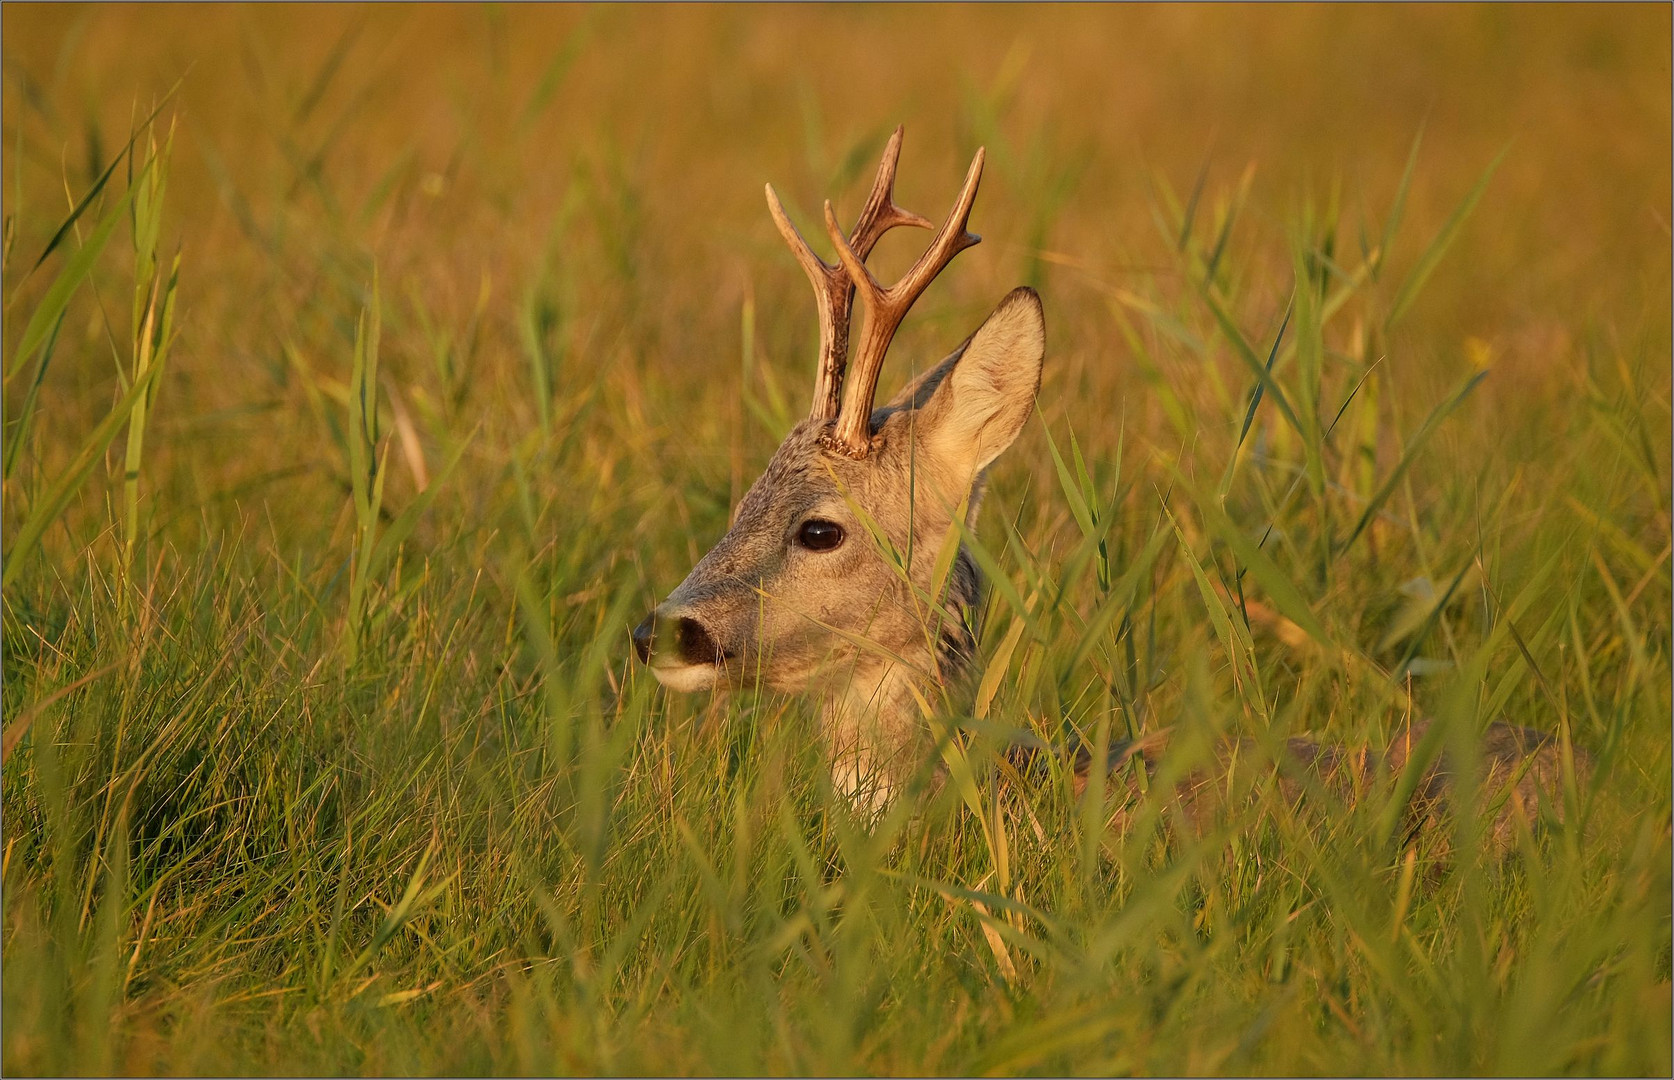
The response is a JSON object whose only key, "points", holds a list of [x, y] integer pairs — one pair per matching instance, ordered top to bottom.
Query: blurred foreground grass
{"points": [[409, 355]]}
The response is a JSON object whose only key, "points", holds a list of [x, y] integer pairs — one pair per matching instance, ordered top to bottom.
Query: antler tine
{"points": [[880, 214], [833, 289], [831, 293], [885, 308]]}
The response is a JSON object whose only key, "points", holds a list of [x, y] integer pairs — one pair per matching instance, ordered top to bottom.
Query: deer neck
{"points": [[874, 724], [875, 732]]}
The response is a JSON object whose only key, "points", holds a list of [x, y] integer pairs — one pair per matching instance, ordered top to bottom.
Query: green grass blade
{"points": [[99, 185], [1398, 207], [1420, 273], [64, 286], [1241, 348], [20, 426], [1428, 428], [1069, 486], [46, 508], [396, 533], [1283, 592], [1119, 601]]}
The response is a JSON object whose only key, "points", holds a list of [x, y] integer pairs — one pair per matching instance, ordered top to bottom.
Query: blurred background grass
{"points": [[581, 298]]}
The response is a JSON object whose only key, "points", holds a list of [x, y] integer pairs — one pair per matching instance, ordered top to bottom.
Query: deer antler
{"points": [[833, 287], [885, 308]]}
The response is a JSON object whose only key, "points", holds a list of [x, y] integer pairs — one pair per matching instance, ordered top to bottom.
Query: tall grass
{"points": [[324, 747]]}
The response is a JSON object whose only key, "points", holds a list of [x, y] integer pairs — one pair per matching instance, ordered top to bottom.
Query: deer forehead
{"points": [[806, 477]]}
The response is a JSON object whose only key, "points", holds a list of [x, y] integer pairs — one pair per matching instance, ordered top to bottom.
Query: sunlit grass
{"points": [[324, 747]]}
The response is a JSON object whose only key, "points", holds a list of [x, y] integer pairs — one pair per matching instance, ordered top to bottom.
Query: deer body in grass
{"points": [[839, 576]]}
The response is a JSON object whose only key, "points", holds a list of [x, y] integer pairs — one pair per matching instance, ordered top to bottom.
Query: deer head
{"points": [[829, 580]]}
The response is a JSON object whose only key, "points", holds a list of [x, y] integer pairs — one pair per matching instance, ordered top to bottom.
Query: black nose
{"points": [[644, 634], [692, 642], [695, 644]]}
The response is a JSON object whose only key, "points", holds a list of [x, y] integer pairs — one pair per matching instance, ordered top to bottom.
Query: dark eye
{"points": [[817, 534]]}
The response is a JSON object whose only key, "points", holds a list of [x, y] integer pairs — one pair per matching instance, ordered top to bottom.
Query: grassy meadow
{"points": [[370, 371]]}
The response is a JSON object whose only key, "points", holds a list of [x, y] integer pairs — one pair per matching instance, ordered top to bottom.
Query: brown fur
{"points": [[855, 624], [1521, 773]]}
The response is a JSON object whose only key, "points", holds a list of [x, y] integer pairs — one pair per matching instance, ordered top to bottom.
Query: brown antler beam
{"points": [[833, 286], [885, 308]]}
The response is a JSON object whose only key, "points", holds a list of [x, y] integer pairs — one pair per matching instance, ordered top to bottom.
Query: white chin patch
{"points": [[686, 678]]}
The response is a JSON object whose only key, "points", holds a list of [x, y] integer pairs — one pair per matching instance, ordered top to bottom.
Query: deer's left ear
{"points": [[980, 406]]}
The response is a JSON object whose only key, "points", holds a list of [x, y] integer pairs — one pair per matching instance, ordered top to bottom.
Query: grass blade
{"points": [[1398, 207], [1420, 272], [69, 279], [1431, 422], [50, 504], [1283, 592]]}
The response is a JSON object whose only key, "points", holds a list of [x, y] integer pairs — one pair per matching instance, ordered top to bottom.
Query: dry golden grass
{"points": [[210, 834]]}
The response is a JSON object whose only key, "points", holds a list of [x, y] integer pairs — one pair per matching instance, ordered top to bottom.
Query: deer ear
{"points": [[978, 408]]}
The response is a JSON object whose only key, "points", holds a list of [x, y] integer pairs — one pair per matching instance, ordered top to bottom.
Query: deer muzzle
{"points": [[679, 649]]}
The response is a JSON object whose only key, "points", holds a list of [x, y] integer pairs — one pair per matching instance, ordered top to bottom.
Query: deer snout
{"points": [[644, 636], [683, 641]]}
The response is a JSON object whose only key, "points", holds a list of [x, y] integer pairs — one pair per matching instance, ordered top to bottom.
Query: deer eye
{"points": [[817, 534]]}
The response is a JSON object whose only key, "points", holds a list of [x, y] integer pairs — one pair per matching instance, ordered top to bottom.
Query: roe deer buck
{"points": [[797, 596]]}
